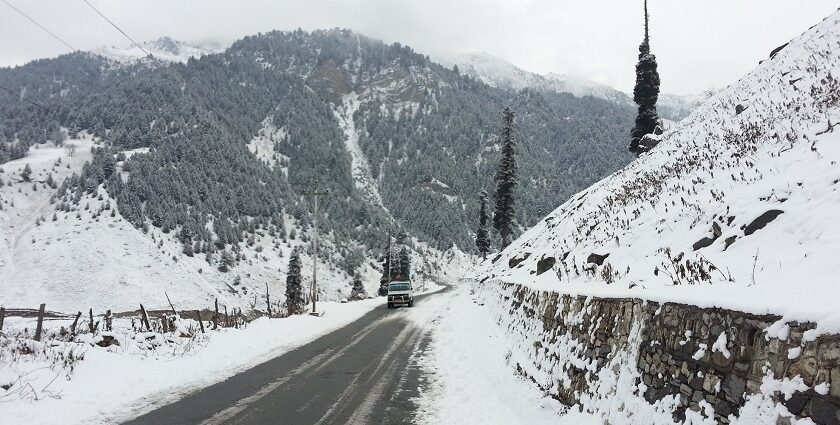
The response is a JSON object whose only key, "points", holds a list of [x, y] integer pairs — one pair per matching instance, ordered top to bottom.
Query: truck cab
{"points": [[400, 292]]}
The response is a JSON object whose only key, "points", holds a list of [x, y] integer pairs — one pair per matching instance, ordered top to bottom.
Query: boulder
{"points": [[761, 221], [597, 259], [544, 265]]}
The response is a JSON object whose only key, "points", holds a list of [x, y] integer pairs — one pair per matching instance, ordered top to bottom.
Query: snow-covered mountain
{"points": [[163, 49], [500, 73], [735, 208]]}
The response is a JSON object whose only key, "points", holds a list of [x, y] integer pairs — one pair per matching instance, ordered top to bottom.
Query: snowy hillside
{"points": [[164, 49], [735, 208], [93, 257]]}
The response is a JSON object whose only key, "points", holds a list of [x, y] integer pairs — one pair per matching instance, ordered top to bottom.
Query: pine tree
{"points": [[645, 94], [26, 174], [506, 181], [481, 239], [227, 261], [405, 264], [386, 268], [294, 288], [358, 290]]}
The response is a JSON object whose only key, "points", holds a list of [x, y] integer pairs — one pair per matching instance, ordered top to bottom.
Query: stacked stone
{"points": [[676, 355]]}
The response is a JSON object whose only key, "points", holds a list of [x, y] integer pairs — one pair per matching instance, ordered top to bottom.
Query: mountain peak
{"points": [[164, 49]]}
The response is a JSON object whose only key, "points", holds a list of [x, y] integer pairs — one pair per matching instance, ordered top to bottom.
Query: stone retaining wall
{"points": [[695, 358]]}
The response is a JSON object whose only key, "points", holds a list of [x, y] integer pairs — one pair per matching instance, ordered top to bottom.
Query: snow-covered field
{"points": [[735, 208], [146, 370]]}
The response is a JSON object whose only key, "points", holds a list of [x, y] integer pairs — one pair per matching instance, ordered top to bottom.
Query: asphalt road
{"points": [[359, 374]]}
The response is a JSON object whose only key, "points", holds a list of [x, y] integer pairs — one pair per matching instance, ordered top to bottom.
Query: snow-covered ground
{"points": [[163, 49], [362, 178], [736, 207], [90, 258], [471, 380], [118, 382]]}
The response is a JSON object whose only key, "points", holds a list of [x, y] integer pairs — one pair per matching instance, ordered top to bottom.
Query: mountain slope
{"points": [[163, 49], [500, 73], [209, 159], [734, 208]]}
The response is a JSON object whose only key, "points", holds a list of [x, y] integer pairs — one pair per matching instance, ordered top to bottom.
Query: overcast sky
{"points": [[698, 43]]}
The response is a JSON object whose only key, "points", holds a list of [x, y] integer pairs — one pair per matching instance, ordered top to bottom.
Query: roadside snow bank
{"points": [[471, 379], [121, 381]]}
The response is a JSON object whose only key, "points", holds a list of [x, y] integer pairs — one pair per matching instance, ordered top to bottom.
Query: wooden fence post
{"points": [[267, 300], [216, 316], [2, 317], [145, 318], [227, 319], [108, 320], [75, 322], [200, 322], [40, 326], [92, 326]]}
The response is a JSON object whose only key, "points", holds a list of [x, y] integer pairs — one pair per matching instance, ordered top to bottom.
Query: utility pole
{"points": [[315, 194]]}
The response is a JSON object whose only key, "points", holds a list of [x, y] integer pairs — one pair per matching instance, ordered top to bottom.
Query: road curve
{"points": [[358, 374]]}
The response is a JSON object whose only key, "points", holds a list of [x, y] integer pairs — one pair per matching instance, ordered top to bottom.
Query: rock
{"points": [[777, 50], [739, 108], [648, 142], [761, 221], [716, 231], [729, 241], [702, 243], [597, 259], [514, 261], [545, 265], [107, 341], [830, 352], [721, 361], [806, 367], [710, 382], [696, 383], [835, 383], [734, 387], [797, 402], [723, 408], [824, 412]]}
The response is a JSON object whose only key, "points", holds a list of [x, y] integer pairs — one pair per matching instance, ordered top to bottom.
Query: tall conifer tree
{"points": [[645, 94], [506, 181], [482, 241], [294, 287]]}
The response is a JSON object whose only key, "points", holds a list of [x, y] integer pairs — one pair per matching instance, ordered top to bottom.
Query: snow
{"points": [[163, 49], [497, 72], [262, 145], [717, 168], [362, 178], [97, 261], [720, 345], [466, 358], [113, 384]]}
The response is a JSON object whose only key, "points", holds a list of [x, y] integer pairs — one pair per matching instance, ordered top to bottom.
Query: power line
{"points": [[39, 25], [115, 26], [23, 98]]}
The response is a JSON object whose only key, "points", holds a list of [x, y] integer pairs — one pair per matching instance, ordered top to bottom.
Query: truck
{"points": [[400, 292]]}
